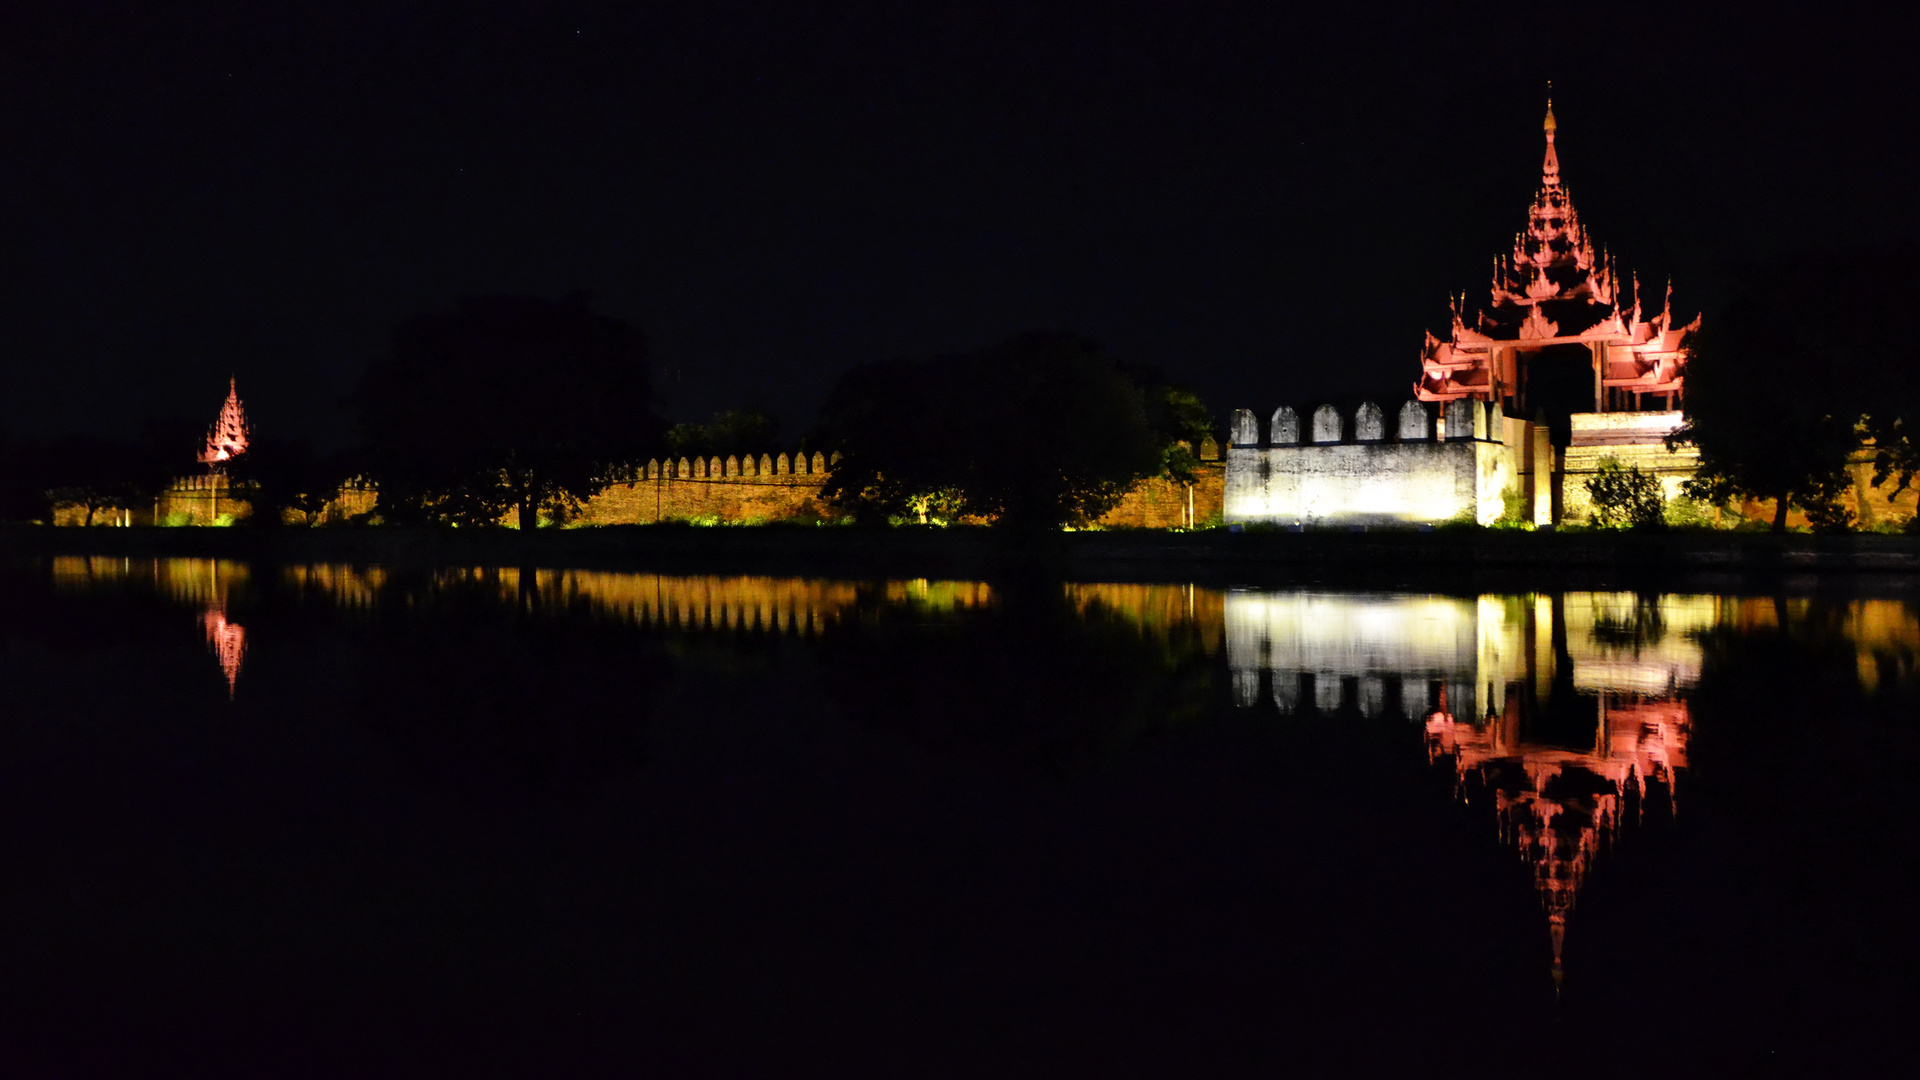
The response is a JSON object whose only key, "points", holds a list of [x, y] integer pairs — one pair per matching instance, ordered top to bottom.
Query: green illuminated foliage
{"points": [[1623, 496]]}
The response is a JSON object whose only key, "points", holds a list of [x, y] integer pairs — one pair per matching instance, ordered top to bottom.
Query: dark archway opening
{"points": [[1557, 381]]}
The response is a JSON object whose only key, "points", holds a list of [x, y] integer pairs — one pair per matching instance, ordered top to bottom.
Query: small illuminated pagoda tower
{"points": [[1557, 335], [227, 439]]}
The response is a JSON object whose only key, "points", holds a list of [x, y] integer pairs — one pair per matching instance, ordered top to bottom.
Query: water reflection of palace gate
{"points": [[1563, 711]]}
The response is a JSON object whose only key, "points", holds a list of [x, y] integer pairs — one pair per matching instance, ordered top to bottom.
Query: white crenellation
{"points": [[1327, 424], [1369, 425], [1414, 426], [1286, 427], [1243, 429]]}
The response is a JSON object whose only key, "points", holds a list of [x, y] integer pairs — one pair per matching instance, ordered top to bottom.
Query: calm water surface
{"points": [[318, 817]]}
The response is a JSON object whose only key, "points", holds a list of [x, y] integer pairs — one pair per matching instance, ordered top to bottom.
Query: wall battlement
{"points": [[1414, 421], [766, 465], [1330, 467], [769, 487], [739, 489]]}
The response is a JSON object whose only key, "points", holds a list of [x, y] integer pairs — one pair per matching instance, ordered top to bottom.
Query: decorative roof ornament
{"points": [[227, 438]]}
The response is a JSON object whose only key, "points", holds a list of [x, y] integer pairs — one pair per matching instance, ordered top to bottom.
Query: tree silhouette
{"points": [[1887, 355], [1776, 397], [506, 403], [731, 432], [1036, 432], [95, 474], [277, 476], [23, 496]]}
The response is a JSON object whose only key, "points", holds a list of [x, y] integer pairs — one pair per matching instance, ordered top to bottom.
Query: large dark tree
{"points": [[1882, 343], [1783, 377], [506, 403], [1038, 431], [730, 432], [281, 476], [22, 495]]}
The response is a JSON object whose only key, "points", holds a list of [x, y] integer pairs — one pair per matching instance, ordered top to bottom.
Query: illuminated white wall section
{"points": [[1361, 473], [1422, 483]]}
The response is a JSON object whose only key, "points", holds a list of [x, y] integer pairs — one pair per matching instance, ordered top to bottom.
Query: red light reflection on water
{"points": [[228, 641], [1559, 807]]}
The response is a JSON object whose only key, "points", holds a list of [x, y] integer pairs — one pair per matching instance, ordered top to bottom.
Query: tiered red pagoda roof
{"points": [[1553, 289], [227, 439]]}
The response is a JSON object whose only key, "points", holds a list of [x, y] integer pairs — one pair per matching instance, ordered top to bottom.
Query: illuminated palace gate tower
{"points": [[1553, 296], [1554, 376], [207, 499]]}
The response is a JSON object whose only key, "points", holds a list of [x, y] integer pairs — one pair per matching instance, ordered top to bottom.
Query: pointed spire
{"points": [[1550, 168], [227, 439]]}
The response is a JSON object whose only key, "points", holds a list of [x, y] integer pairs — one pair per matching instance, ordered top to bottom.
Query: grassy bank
{"points": [[1467, 558]]}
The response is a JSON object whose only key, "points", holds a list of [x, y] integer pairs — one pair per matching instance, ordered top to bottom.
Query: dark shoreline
{"points": [[1444, 559]]}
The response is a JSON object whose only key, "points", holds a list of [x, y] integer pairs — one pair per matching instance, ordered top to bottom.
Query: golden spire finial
{"points": [[1549, 124]]}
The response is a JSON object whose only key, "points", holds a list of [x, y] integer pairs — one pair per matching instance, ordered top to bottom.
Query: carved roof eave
{"points": [[1665, 341], [1646, 383], [1421, 392]]}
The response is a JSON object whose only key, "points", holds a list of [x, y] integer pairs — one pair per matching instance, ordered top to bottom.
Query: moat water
{"points": [[542, 822]]}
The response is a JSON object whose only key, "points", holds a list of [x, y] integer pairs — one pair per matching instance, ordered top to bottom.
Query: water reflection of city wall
{"points": [[700, 603], [1618, 642], [1331, 650]]}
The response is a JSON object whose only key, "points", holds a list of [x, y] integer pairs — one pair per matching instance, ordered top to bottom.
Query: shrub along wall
{"points": [[731, 490]]}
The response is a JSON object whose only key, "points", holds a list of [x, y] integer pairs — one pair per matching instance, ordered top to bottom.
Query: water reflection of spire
{"points": [[228, 640], [1559, 807]]}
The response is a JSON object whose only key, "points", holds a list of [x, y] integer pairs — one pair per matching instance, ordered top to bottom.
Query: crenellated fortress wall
{"points": [[1331, 468], [777, 488], [732, 490]]}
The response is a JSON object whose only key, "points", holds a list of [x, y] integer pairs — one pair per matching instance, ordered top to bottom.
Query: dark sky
{"points": [[1269, 203]]}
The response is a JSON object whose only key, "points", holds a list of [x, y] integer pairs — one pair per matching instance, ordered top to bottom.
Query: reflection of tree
{"points": [[1640, 627], [1853, 658], [1038, 675], [493, 699], [1786, 886]]}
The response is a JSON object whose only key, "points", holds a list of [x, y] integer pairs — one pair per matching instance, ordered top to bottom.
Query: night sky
{"points": [[1269, 204]]}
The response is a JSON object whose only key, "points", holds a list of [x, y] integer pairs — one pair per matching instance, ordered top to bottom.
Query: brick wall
{"points": [[770, 488], [733, 489], [199, 500], [1159, 503]]}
